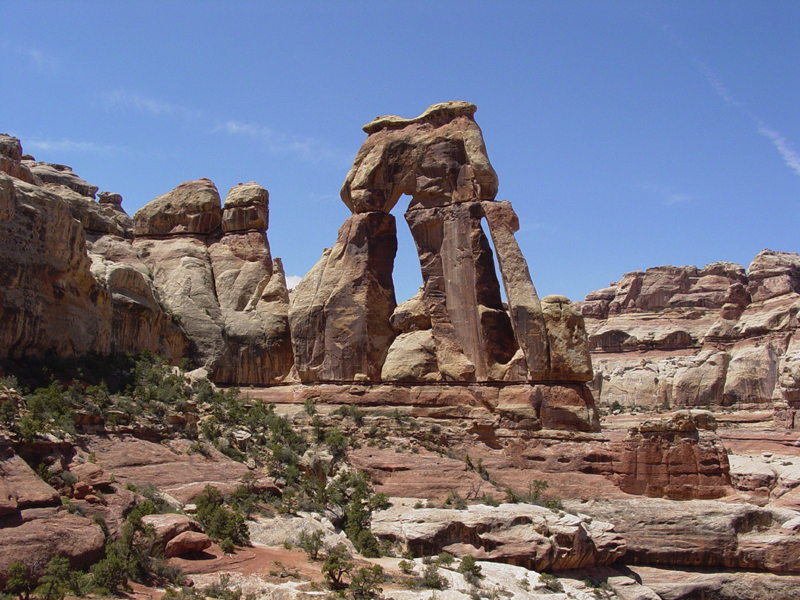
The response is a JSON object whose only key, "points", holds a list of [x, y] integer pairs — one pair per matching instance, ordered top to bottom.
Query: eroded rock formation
{"points": [[440, 161], [213, 268], [191, 276], [185, 277], [716, 336], [525, 535]]}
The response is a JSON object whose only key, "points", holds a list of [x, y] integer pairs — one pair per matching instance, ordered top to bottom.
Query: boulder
{"points": [[191, 208], [246, 208], [411, 315], [411, 358], [91, 474], [169, 526], [188, 542]]}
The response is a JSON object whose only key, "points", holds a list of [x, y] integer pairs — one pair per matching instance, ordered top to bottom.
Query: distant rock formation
{"points": [[716, 336]]}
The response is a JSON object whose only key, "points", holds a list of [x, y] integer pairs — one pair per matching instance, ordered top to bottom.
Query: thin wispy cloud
{"points": [[36, 57], [41, 60], [716, 84], [125, 100], [65, 145], [782, 145], [308, 149], [790, 156], [668, 195]]}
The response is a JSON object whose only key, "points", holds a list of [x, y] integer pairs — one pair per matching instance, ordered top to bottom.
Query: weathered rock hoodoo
{"points": [[212, 267], [186, 277], [344, 321], [716, 336]]}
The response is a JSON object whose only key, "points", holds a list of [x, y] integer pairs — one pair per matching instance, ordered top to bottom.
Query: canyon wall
{"points": [[722, 335]]}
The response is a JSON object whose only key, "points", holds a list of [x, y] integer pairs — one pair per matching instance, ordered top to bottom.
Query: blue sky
{"points": [[625, 134]]}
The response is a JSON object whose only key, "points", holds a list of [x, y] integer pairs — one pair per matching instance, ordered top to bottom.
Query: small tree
{"points": [[219, 522], [311, 544], [337, 564], [406, 566], [470, 569], [55, 579], [432, 579], [18, 580], [365, 583]]}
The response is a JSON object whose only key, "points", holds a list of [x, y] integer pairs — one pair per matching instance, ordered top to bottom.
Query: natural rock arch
{"points": [[341, 311]]}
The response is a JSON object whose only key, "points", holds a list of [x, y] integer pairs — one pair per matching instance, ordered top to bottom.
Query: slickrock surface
{"points": [[169, 467], [35, 526], [701, 533], [525, 535]]}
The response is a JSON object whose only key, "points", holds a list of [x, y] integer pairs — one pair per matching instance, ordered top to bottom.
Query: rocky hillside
{"points": [[186, 277], [722, 335]]}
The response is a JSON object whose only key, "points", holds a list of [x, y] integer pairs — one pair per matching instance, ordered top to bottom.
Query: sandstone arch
{"points": [[340, 314]]}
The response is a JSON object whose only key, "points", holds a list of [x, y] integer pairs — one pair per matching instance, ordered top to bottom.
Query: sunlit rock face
{"points": [[438, 159], [213, 269], [191, 276], [722, 335]]}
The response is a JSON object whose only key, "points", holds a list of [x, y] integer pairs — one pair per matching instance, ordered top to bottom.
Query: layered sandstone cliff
{"points": [[722, 335]]}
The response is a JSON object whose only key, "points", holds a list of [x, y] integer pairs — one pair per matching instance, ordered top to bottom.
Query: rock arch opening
{"points": [[342, 318]]}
